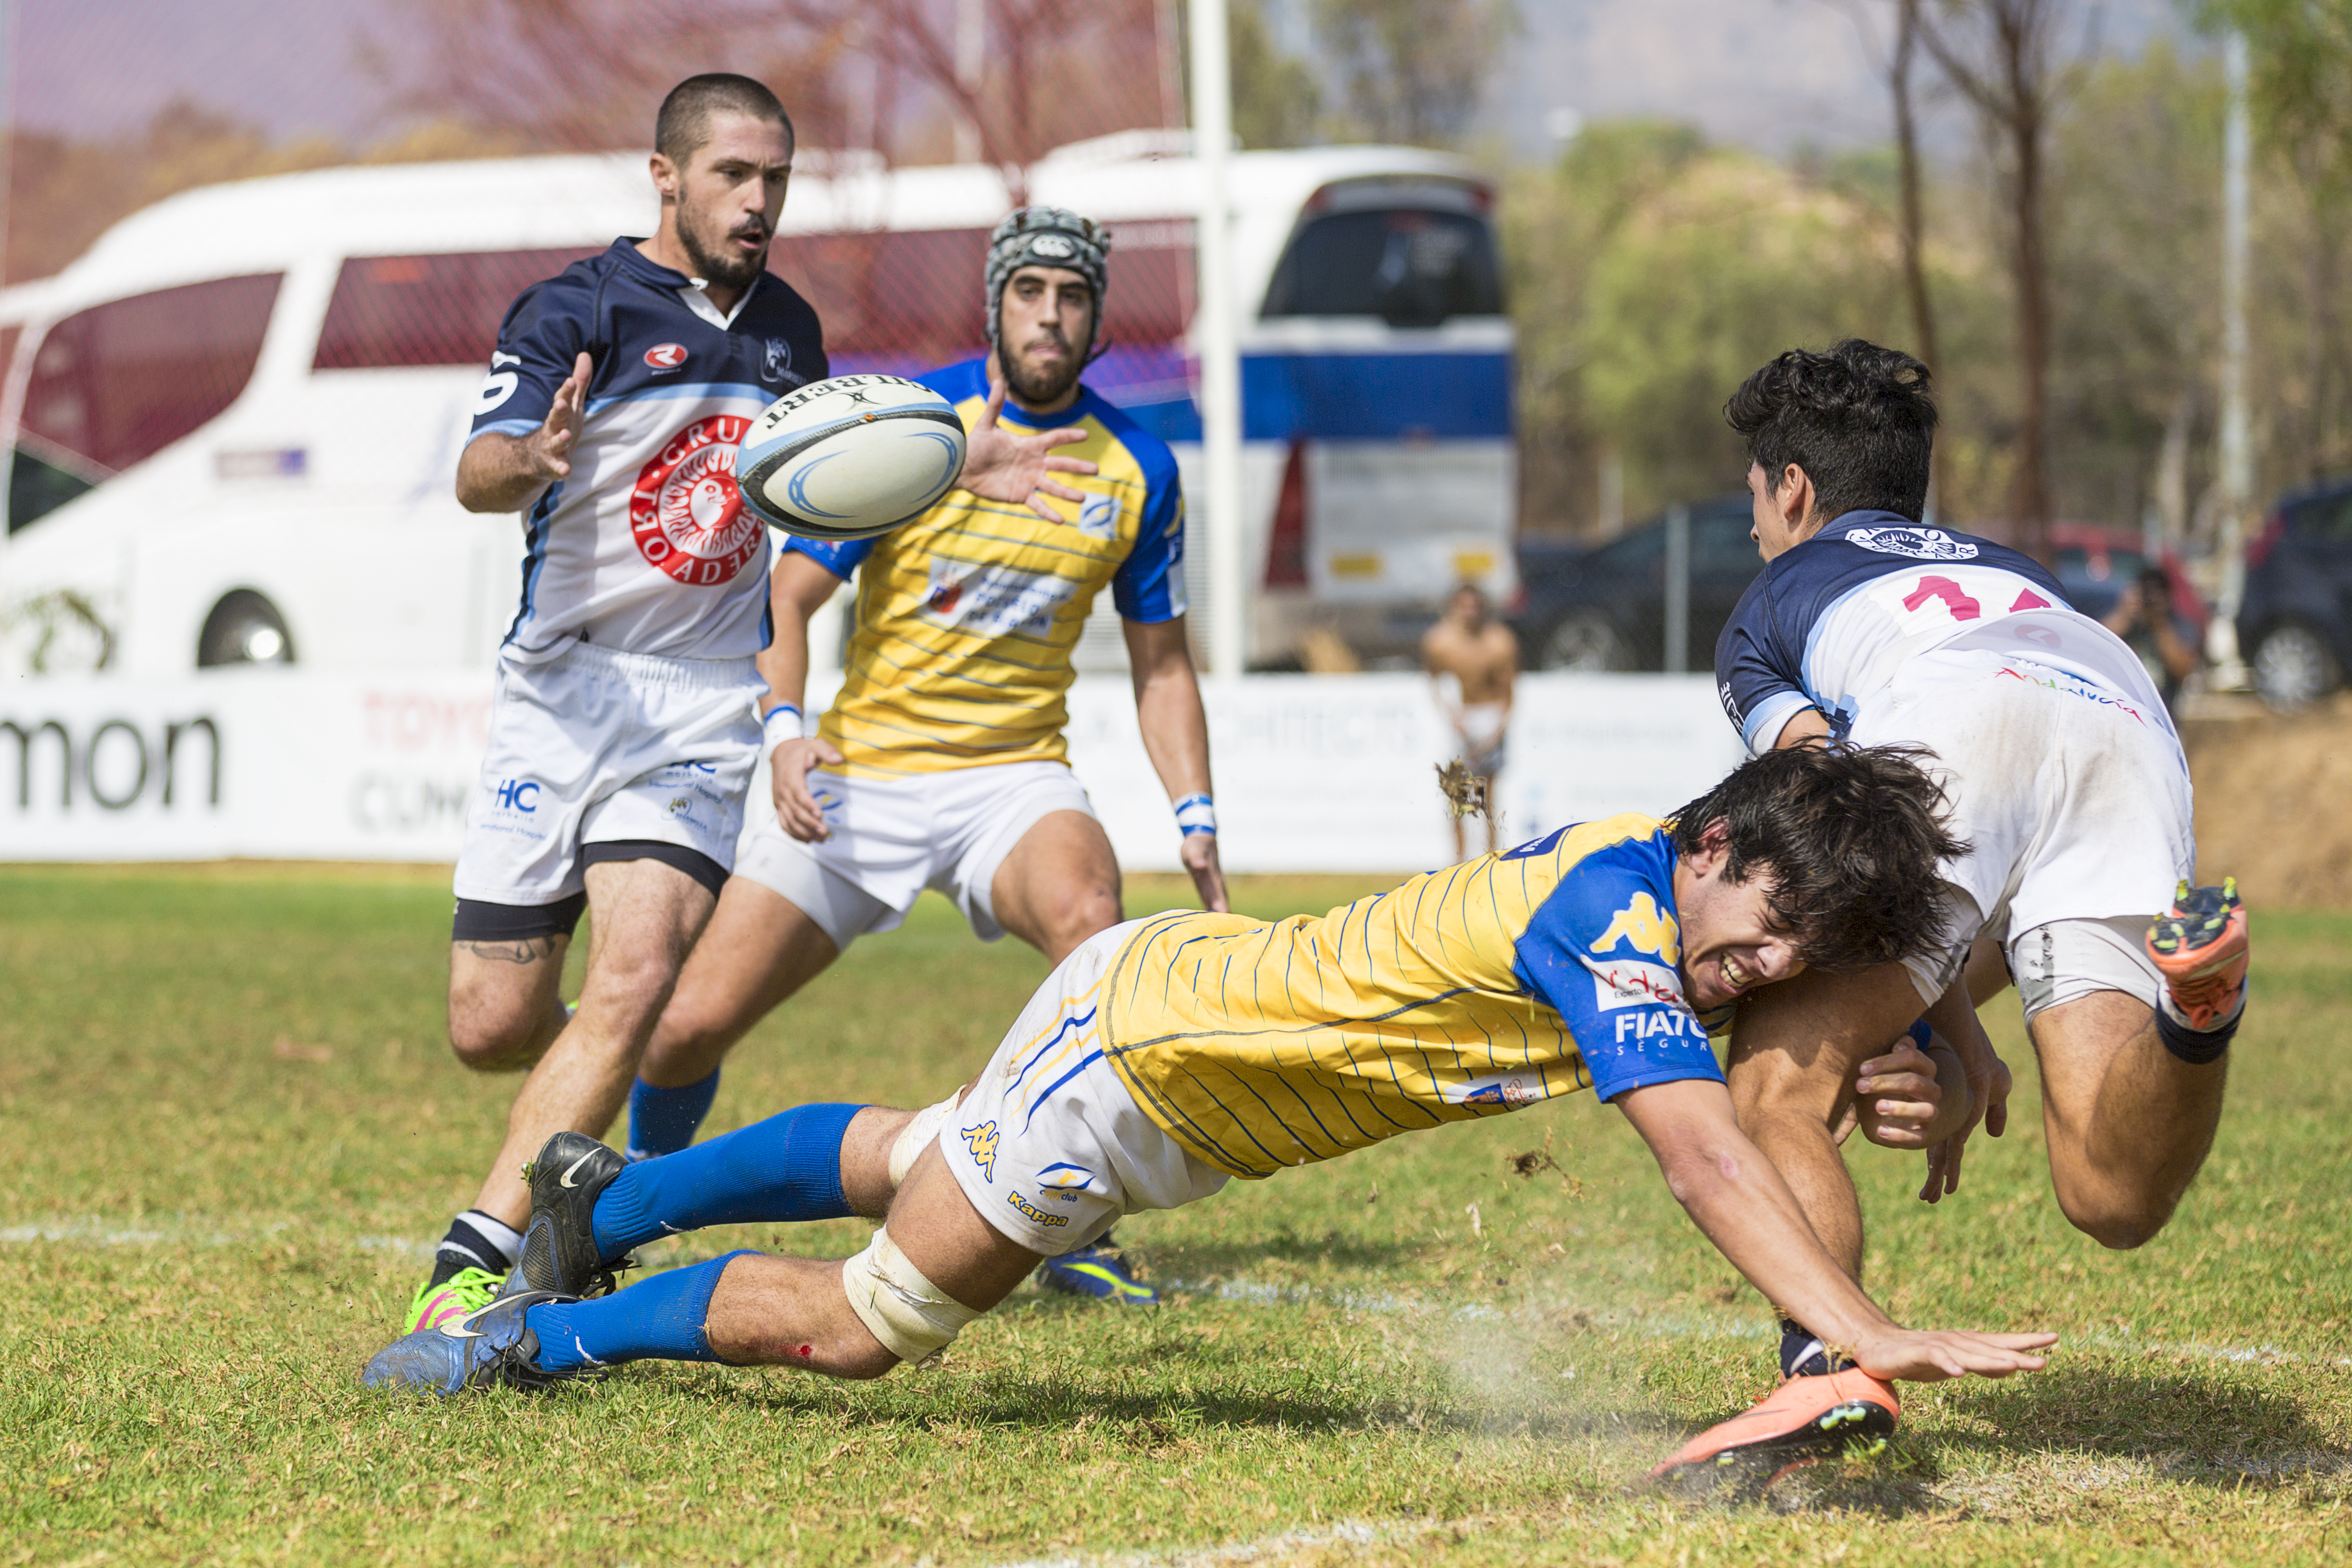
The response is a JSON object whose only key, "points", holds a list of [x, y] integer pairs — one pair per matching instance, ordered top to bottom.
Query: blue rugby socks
{"points": [[665, 1121], [785, 1168], [660, 1319]]}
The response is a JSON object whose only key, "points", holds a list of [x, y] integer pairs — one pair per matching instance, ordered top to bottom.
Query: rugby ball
{"points": [[850, 458]]}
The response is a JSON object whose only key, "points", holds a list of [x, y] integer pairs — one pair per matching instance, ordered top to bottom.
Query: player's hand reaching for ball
{"points": [[1002, 467], [797, 812], [1199, 856], [1916, 1355]]}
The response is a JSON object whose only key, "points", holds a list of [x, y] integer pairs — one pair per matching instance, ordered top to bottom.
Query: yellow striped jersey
{"points": [[967, 615], [1468, 992]]}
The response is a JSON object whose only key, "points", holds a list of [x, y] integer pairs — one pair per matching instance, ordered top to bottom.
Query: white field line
{"points": [[90, 1230], [1345, 1532]]}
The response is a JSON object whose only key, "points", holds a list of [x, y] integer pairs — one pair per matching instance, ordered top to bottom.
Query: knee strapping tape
{"points": [[918, 1134], [913, 1318]]}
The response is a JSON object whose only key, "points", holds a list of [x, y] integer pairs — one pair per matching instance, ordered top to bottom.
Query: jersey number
{"points": [[1956, 599]]}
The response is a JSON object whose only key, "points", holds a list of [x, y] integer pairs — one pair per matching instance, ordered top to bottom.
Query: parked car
{"points": [[2094, 564], [1604, 607], [2294, 624]]}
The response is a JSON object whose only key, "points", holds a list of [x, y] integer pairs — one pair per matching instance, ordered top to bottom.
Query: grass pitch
{"points": [[232, 1128]]}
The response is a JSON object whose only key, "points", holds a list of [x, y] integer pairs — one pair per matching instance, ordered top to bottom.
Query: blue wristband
{"points": [[780, 723], [1196, 814], [1921, 1034]]}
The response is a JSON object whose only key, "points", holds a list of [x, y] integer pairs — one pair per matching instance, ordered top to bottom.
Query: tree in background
{"points": [[2301, 55], [2005, 59], [1412, 71], [1277, 103]]}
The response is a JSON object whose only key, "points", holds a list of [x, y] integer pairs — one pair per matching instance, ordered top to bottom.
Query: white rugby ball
{"points": [[850, 458]]}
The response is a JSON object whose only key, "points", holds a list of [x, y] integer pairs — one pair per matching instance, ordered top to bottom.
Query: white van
{"points": [[235, 421]]}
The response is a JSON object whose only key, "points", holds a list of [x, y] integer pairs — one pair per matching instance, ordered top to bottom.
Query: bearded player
{"points": [[625, 726], [942, 764], [2066, 778], [1168, 1055]]}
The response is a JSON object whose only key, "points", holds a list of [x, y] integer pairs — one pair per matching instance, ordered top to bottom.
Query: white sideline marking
{"points": [[1345, 1532]]}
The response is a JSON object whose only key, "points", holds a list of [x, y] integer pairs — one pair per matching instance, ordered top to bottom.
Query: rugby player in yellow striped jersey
{"points": [[942, 764], [1166, 1056]]}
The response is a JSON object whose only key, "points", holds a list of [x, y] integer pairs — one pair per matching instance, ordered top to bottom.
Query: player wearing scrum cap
{"points": [[625, 728], [942, 764]]}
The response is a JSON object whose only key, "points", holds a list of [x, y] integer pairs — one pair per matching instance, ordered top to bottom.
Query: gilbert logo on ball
{"points": [[666, 356], [851, 457], [686, 512]]}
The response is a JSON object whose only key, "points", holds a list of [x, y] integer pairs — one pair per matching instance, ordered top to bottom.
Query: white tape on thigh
{"points": [[912, 1137], [913, 1318]]}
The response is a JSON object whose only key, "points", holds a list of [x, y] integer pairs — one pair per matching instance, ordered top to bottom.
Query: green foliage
{"points": [[1411, 71], [1277, 100], [233, 1126]]}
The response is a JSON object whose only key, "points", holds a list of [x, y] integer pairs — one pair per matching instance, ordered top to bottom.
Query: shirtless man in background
{"points": [[1482, 658]]}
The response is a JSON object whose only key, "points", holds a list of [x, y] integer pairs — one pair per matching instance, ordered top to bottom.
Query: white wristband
{"points": [[782, 723], [1196, 814]]}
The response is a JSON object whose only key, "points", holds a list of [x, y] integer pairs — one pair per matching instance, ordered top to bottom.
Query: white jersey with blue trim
{"points": [[647, 546], [1827, 625]]}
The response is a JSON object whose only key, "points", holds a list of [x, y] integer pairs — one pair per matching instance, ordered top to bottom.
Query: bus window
{"points": [[1410, 266], [393, 310], [118, 382]]}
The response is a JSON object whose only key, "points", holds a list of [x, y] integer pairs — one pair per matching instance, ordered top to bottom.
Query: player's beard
{"points": [[727, 268], [1037, 388]]}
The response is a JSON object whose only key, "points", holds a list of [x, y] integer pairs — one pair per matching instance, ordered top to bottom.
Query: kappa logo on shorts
{"points": [[685, 514], [1918, 543], [1646, 927], [982, 1142], [1033, 1214]]}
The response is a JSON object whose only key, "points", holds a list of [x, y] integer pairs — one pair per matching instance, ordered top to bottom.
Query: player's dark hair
{"points": [[684, 123], [1860, 420], [1851, 837]]}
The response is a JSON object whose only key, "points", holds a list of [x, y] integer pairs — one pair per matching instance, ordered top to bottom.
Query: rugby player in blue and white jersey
{"points": [[625, 726], [2065, 778]]}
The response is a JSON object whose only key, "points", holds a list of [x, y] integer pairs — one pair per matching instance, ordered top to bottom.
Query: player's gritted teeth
{"points": [[1735, 976]]}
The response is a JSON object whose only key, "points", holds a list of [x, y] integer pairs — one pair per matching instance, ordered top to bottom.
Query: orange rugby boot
{"points": [[2200, 946], [1804, 1420]]}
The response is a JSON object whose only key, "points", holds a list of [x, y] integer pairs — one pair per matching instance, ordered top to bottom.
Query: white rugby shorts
{"points": [[593, 746], [2074, 800], [893, 837], [1048, 1143]]}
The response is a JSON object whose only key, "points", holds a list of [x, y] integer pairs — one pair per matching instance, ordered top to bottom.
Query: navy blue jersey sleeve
{"points": [[549, 325], [841, 558], [1149, 585], [1758, 678], [1602, 950]]}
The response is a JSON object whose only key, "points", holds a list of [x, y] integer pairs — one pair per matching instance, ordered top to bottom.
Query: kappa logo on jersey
{"points": [[664, 356], [777, 363], [685, 514], [1098, 516], [1919, 543], [995, 601], [1648, 928], [1630, 983], [982, 1142]]}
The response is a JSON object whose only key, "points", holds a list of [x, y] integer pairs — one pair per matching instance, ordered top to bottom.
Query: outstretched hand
{"points": [[550, 444], [1002, 467], [1916, 1356]]}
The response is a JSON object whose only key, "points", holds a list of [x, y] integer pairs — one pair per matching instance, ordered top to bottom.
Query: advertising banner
{"points": [[1313, 773]]}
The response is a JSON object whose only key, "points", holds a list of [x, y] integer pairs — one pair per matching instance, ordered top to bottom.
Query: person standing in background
{"points": [[2143, 617], [1473, 662]]}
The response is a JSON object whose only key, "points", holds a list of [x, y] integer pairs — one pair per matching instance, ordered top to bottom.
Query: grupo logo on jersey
{"points": [[686, 515], [995, 601]]}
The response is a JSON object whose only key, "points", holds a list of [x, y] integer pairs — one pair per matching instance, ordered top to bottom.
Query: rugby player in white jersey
{"points": [[625, 726], [942, 762], [2067, 781]]}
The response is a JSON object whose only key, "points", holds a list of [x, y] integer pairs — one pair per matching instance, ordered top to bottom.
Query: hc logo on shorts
{"points": [[516, 794]]}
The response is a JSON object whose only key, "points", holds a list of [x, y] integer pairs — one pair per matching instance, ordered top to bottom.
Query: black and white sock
{"points": [[2196, 1046], [476, 1240], [1803, 1355]]}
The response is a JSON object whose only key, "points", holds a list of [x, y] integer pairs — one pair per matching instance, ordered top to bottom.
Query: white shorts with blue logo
{"points": [[597, 746], [893, 837], [1049, 1144]]}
